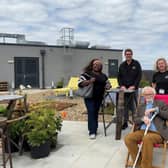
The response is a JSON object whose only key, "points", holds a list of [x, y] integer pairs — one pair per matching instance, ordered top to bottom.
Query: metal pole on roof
{"points": [[43, 53], [11, 62]]}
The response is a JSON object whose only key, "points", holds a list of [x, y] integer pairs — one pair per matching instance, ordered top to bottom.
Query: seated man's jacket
{"points": [[159, 120]]}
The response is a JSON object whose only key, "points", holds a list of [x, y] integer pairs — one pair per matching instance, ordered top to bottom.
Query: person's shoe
{"points": [[124, 126], [92, 136]]}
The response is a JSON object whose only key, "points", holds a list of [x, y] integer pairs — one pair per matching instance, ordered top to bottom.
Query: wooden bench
{"points": [[3, 86]]}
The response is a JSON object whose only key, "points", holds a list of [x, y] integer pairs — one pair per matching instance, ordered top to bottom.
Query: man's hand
{"points": [[123, 88], [131, 88], [147, 112], [146, 120]]}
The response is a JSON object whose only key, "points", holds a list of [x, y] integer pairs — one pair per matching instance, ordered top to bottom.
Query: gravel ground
{"points": [[74, 112], [77, 112]]}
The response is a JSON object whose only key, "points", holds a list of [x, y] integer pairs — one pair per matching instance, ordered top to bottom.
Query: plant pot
{"points": [[53, 141], [53, 145], [40, 151]]}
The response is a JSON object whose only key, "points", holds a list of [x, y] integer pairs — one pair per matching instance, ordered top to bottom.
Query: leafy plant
{"points": [[60, 83], [144, 83], [109, 108], [3, 111], [42, 125], [16, 129]]}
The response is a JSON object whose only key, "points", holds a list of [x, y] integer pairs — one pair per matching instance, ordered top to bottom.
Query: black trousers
{"points": [[130, 104]]}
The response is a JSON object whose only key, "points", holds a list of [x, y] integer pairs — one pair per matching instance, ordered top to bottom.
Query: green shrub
{"points": [[60, 83], [144, 83], [3, 111], [42, 125], [16, 129]]}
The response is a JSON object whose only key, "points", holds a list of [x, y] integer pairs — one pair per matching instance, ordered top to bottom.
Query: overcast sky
{"points": [[138, 24]]}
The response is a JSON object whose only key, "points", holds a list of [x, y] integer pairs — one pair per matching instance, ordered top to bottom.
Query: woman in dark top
{"points": [[93, 74], [160, 78]]}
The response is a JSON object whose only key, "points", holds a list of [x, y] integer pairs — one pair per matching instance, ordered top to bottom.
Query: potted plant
{"points": [[60, 83], [42, 127], [15, 131], [53, 137]]}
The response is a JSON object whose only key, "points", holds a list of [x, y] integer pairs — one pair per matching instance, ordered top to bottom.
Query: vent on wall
{"points": [[34, 42], [82, 44], [100, 47]]}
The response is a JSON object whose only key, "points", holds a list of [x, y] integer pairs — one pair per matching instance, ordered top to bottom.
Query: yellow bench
{"points": [[113, 82], [72, 85]]}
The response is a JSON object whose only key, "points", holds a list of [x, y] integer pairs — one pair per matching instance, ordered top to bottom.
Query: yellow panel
{"points": [[114, 82], [72, 85]]}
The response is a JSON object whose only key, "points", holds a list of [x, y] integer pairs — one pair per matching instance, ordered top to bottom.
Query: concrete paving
{"points": [[76, 150]]}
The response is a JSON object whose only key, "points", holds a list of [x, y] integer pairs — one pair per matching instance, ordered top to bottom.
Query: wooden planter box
{"points": [[3, 86]]}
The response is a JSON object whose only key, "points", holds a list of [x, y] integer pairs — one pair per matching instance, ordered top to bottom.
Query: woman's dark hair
{"points": [[89, 67]]}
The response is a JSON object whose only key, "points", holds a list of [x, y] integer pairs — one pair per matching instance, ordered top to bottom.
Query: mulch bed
{"points": [[57, 105], [75, 108]]}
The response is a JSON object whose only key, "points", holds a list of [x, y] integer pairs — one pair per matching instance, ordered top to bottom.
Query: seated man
{"points": [[157, 128]]}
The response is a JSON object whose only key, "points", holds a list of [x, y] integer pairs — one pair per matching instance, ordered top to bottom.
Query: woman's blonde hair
{"points": [[160, 59]]}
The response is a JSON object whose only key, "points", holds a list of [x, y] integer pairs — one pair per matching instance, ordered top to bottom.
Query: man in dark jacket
{"points": [[129, 77], [158, 130]]}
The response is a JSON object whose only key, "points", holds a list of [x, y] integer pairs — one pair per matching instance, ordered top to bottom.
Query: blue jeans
{"points": [[93, 106]]}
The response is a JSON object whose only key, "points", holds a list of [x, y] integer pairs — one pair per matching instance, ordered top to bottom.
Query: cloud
{"points": [[64, 4], [23, 12], [141, 25]]}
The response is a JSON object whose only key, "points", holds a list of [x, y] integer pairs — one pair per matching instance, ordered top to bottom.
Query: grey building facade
{"points": [[42, 65]]}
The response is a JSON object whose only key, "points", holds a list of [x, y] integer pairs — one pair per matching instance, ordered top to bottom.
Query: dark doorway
{"points": [[113, 68], [26, 71]]}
